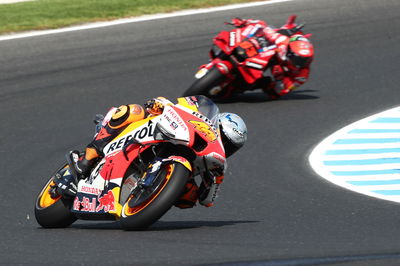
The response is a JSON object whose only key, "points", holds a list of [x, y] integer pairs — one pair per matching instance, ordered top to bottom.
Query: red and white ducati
{"points": [[238, 61]]}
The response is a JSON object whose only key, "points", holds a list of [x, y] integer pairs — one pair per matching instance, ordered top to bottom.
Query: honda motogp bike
{"points": [[236, 64], [144, 169]]}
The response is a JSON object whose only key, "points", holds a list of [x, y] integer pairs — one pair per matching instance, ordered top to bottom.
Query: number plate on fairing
{"points": [[201, 73]]}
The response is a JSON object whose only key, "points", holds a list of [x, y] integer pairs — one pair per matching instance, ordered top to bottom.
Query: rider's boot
{"points": [[83, 164], [66, 186]]}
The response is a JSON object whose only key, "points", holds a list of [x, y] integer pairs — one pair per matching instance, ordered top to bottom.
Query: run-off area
{"points": [[363, 156]]}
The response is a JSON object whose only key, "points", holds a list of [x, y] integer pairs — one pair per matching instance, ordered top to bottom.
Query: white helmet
{"points": [[233, 132]]}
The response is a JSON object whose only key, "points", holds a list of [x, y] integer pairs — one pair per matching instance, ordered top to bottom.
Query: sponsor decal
{"points": [[247, 30], [254, 30], [238, 37], [232, 38], [281, 39], [271, 47], [304, 52], [267, 53], [259, 61], [254, 65], [177, 118], [206, 119], [230, 120], [172, 124], [205, 129], [238, 132], [140, 134], [90, 190], [214, 194], [106, 202], [94, 204], [86, 205]]}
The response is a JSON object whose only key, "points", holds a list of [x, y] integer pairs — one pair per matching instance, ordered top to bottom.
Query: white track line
{"points": [[137, 19]]}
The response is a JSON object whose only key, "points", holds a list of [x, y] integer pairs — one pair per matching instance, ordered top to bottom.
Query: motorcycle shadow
{"points": [[257, 97], [162, 225], [180, 225]]}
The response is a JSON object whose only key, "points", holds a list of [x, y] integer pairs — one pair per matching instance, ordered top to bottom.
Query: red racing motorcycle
{"points": [[236, 64], [143, 171]]}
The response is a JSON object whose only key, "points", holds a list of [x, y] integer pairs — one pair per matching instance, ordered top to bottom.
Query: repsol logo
{"points": [[208, 121], [140, 134]]}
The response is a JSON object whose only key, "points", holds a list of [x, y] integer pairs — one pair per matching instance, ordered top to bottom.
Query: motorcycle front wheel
{"points": [[205, 85], [147, 204], [53, 212]]}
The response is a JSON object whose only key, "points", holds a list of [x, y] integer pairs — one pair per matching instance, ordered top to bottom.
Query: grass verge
{"points": [[50, 14]]}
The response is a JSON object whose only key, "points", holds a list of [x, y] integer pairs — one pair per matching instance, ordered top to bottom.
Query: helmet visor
{"points": [[298, 60], [229, 147]]}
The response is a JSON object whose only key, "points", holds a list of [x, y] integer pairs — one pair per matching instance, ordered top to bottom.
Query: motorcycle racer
{"points": [[290, 67], [233, 135]]}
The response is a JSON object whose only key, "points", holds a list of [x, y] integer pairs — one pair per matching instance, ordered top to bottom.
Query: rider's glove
{"points": [[238, 22], [154, 106]]}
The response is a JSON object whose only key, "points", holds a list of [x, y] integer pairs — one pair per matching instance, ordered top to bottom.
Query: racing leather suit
{"points": [[285, 77], [118, 119]]}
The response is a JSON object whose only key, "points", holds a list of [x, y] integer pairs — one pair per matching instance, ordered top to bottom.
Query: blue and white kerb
{"points": [[364, 156]]}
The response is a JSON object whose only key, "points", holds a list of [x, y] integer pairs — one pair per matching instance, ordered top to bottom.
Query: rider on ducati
{"points": [[291, 66], [233, 135]]}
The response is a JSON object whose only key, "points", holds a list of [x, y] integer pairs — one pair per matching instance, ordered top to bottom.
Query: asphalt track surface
{"points": [[273, 209]]}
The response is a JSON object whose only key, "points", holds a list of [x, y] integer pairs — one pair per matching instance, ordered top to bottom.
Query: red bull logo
{"points": [[106, 202], [89, 204], [86, 205]]}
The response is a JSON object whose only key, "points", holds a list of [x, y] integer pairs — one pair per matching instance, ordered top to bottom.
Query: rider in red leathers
{"points": [[294, 54]]}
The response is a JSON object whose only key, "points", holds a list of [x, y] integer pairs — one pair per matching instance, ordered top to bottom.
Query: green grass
{"points": [[49, 14]]}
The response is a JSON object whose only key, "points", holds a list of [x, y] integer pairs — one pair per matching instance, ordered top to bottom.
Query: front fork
{"points": [[152, 171]]}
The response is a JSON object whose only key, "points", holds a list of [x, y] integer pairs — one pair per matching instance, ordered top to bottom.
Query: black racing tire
{"points": [[204, 85], [157, 204], [53, 213]]}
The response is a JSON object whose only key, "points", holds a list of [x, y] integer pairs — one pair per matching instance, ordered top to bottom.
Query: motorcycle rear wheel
{"points": [[205, 84], [145, 207], [53, 212]]}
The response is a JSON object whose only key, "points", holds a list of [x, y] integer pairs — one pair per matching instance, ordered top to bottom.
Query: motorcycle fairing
{"points": [[100, 193]]}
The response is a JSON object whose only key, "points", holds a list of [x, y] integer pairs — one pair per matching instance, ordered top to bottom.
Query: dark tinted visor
{"points": [[298, 60], [229, 147]]}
